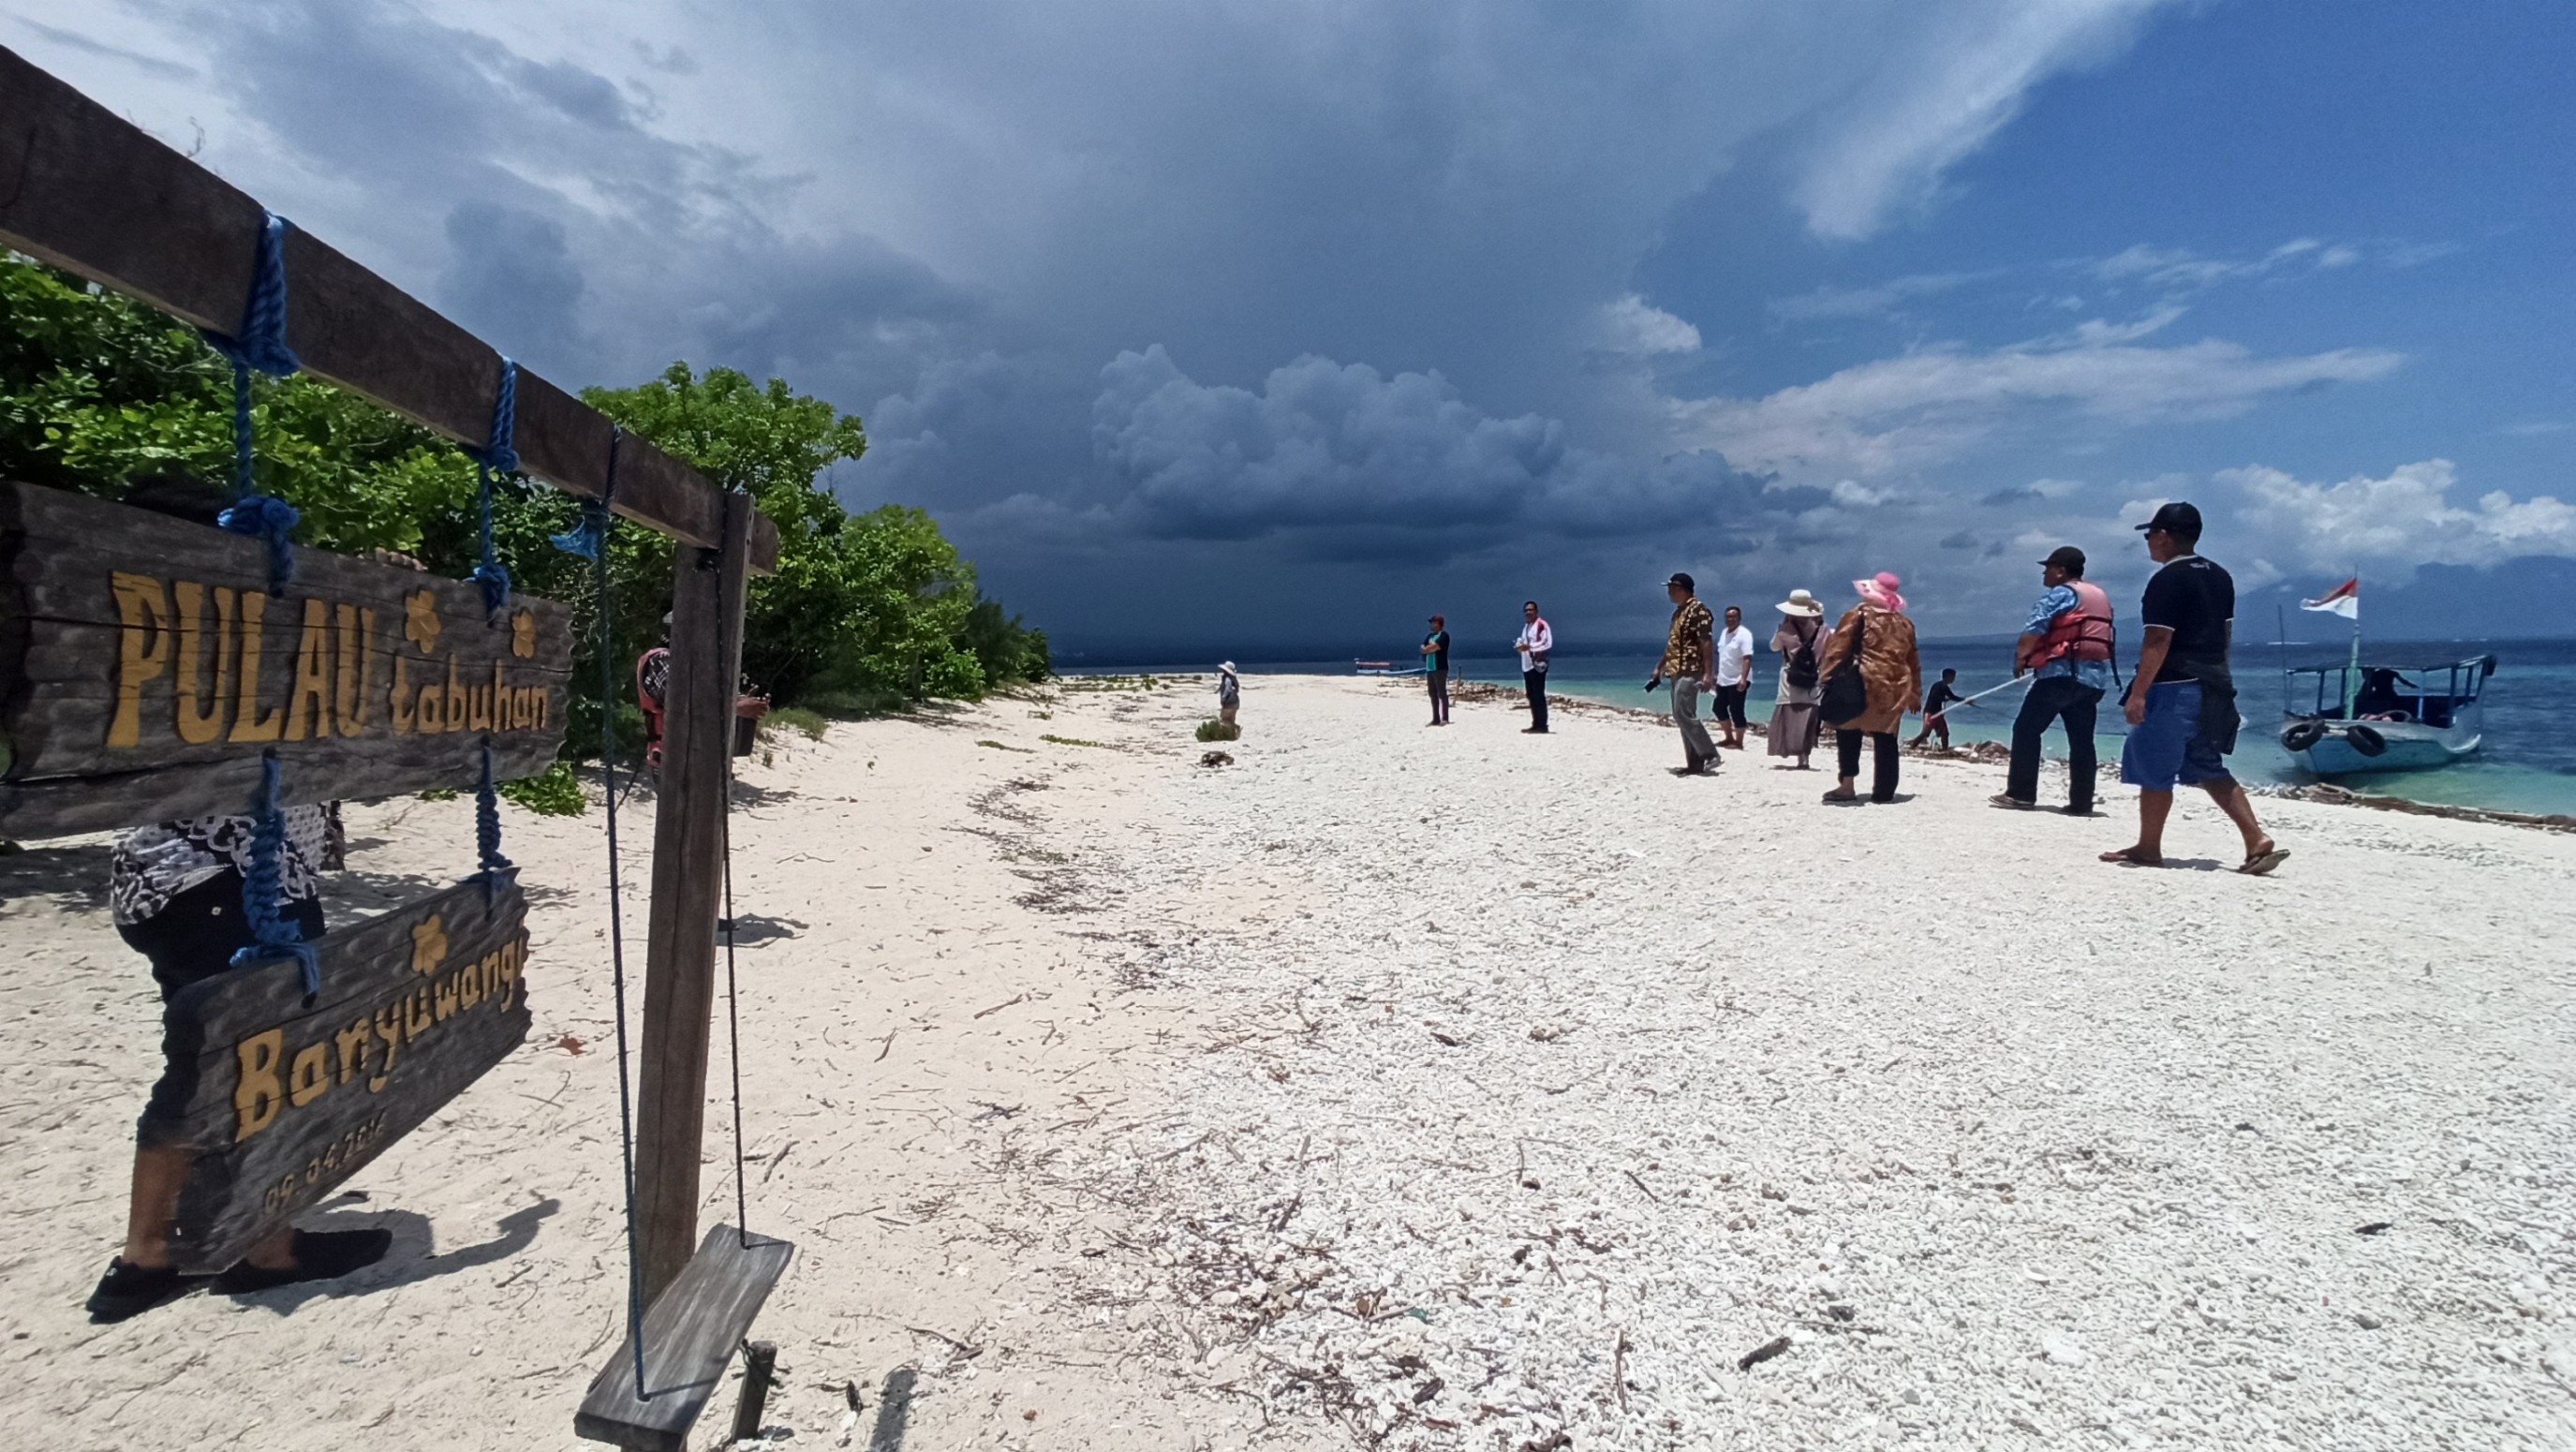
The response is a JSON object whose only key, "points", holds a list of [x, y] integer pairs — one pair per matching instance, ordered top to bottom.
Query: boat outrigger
{"points": [[2347, 719]]}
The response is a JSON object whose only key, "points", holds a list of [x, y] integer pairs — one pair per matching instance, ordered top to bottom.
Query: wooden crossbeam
{"points": [[92, 193], [690, 1334]]}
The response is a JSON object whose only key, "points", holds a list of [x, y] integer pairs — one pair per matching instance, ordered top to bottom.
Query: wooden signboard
{"points": [[145, 668], [294, 1097]]}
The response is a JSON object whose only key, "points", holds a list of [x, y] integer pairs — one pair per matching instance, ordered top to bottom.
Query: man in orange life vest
{"points": [[2068, 642]]}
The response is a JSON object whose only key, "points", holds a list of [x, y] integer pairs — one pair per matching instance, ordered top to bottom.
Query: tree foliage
{"points": [[96, 390]]}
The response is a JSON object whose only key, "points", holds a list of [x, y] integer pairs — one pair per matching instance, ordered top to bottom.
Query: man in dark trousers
{"points": [[1535, 641], [2067, 641], [1690, 663], [1435, 668], [2181, 706], [1936, 719]]}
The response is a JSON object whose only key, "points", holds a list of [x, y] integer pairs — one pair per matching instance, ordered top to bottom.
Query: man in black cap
{"points": [[2067, 642], [1690, 663], [2181, 706]]}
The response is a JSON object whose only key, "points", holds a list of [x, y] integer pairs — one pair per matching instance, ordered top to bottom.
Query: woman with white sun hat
{"points": [[1800, 640]]}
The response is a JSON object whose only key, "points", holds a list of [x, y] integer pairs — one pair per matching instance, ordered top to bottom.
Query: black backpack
{"points": [[1800, 670]]}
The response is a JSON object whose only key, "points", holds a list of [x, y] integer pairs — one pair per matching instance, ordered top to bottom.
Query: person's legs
{"points": [[1439, 681], [1534, 682], [2039, 706], [1225, 714], [1735, 720], [1697, 749], [1884, 757], [2153, 761], [1846, 764], [2082, 772]]}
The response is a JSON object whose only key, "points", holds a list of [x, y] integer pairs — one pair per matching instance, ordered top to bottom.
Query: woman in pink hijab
{"points": [[1877, 639]]}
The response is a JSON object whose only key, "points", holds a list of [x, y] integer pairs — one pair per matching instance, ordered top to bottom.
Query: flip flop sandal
{"points": [[2011, 803], [2129, 857], [2262, 863]]}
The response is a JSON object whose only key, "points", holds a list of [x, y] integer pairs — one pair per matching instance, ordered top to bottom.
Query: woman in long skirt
{"points": [[1800, 642]]}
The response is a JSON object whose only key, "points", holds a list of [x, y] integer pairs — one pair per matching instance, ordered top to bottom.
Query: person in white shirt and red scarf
{"points": [[1535, 641]]}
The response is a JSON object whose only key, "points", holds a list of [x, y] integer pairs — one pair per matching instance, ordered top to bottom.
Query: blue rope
{"points": [[260, 344], [501, 456], [595, 513], [587, 538], [487, 825], [263, 887]]}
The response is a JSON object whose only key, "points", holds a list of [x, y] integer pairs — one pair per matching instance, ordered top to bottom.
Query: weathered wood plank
{"points": [[89, 192], [145, 669], [688, 880], [294, 1097], [690, 1332]]}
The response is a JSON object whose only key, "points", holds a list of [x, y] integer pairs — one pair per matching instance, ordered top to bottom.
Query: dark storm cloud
{"points": [[1395, 245]]}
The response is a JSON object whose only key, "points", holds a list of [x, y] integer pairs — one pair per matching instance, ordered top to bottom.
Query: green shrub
{"points": [[853, 705], [795, 718], [1213, 730], [553, 792]]}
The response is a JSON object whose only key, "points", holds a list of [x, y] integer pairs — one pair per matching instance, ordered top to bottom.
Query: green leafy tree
{"points": [[96, 390]]}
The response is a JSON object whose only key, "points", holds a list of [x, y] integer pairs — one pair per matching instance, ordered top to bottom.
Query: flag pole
{"points": [[2352, 672]]}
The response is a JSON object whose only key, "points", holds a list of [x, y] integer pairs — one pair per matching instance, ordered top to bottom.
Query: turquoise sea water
{"points": [[2528, 763]]}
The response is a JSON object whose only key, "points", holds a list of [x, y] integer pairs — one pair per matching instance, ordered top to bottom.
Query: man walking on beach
{"points": [[1535, 641], [2067, 641], [1690, 664], [1435, 668], [1734, 678], [2181, 706]]}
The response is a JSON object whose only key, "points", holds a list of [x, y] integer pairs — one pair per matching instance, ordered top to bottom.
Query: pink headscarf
{"points": [[1880, 590]]}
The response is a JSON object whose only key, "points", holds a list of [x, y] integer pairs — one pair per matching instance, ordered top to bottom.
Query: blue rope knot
{"points": [[260, 344], [500, 455], [270, 518], [586, 538], [487, 826], [264, 886]]}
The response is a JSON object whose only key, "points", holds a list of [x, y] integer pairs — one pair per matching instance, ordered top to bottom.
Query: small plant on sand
{"points": [[794, 718], [1215, 730], [1074, 741], [997, 746], [553, 792]]}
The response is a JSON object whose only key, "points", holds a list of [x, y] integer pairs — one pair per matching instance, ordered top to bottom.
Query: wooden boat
{"points": [[2370, 718]]}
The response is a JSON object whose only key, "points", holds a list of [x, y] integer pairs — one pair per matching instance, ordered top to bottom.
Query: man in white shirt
{"points": [[1535, 641], [1734, 677]]}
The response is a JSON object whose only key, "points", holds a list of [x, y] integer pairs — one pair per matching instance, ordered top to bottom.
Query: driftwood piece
{"points": [[145, 670], [294, 1097]]}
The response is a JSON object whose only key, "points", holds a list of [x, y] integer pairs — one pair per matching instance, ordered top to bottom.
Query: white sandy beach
{"points": [[1423, 1088]]}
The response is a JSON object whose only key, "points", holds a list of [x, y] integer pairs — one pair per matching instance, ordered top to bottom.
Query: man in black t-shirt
{"points": [[1435, 668], [2181, 706]]}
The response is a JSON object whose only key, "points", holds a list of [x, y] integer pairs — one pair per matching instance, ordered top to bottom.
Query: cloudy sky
{"points": [[1263, 325]]}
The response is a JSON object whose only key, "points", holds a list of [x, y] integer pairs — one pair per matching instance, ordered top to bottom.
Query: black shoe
{"points": [[1533, 731], [320, 1255], [130, 1290]]}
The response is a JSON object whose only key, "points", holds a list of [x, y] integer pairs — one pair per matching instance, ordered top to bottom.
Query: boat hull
{"points": [[2404, 746]]}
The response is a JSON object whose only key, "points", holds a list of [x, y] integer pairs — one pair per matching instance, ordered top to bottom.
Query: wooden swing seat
{"points": [[690, 1332]]}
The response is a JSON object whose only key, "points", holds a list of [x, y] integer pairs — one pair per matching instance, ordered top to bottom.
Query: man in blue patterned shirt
{"points": [[2067, 642]]}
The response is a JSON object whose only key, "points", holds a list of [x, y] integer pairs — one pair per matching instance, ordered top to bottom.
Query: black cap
{"points": [[2175, 518], [2067, 558], [1685, 581]]}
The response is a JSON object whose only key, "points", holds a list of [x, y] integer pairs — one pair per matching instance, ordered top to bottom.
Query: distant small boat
{"points": [[1384, 668], [2367, 718]]}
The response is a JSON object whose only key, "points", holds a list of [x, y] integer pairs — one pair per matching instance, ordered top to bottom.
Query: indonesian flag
{"points": [[2343, 600]]}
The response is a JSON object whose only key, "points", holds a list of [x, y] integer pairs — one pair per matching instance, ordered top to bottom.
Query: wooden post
{"points": [[688, 893], [759, 1365]]}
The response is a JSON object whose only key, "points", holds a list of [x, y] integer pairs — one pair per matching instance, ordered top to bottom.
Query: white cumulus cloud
{"points": [[2404, 518]]}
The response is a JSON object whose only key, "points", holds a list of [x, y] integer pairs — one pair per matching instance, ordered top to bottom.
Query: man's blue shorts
{"points": [[2167, 748]]}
